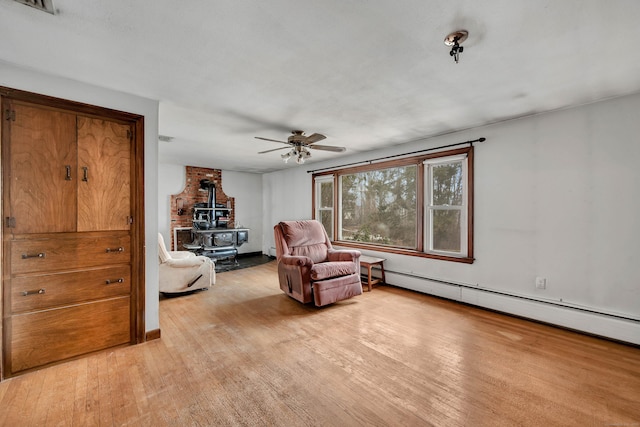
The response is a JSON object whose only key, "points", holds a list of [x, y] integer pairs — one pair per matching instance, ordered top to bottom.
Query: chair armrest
{"points": [[181, 254], [343, 255], [193, 261], [296, 261]]}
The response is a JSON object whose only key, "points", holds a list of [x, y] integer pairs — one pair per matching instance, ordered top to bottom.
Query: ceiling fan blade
{"points": [[315, 137], [272, 140], [328, 148], [273, 149]]}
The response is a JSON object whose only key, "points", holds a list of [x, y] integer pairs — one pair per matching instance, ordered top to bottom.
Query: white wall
{"points": [[32, 81], [171, 180], [246, 188], [557, 195], [287, 196]]}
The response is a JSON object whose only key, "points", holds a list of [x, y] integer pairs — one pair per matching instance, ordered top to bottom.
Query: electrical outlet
{"points": [[541, 283]]}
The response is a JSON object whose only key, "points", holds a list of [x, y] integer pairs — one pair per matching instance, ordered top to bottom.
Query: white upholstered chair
{"points": [[184, 271]]}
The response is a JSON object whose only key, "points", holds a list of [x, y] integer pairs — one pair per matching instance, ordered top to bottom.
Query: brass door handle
{"points": [[85, 174], [120, 249], [109, 282]]}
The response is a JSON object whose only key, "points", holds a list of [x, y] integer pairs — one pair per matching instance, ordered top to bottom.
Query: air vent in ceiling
{"points": [[43, 5]]}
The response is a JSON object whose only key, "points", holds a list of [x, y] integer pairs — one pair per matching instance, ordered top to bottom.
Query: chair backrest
{"points": [[302, 238], [163, 254]]}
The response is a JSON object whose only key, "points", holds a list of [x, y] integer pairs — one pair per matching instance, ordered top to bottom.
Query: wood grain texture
{"points": [[45, 132], [43, 145], [104, 198], [69, 252], [138, 257], [69, 288], [46, 336], [245, 354]]}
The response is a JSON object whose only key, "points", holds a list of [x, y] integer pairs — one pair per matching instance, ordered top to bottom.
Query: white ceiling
{"points": [[366, 74]]}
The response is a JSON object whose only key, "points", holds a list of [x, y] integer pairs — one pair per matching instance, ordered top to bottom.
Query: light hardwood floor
{"points": [[243, 353]]}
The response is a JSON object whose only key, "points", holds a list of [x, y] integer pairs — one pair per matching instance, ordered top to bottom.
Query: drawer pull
{"points": [[68, 168], [120, 249], [40, 255], [120, 280], [36, 292]]}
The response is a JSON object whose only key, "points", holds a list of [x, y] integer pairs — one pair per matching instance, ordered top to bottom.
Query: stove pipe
{"points": [[211, 187]]}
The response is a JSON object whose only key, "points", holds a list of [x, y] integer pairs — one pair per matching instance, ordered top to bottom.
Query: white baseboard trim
{"points": [[591, 321]]}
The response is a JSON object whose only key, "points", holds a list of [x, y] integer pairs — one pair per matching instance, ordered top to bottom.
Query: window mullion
{"points": [[420, 209]]}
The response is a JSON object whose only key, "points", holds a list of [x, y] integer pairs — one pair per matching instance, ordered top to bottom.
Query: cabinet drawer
{"points": [[68, 253], [52, 290], [51, 335]]}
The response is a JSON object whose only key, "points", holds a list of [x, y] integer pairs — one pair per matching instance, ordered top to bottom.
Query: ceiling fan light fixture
{"points": [[454, 39], [300, 144], [303, 155], [286, 157]]}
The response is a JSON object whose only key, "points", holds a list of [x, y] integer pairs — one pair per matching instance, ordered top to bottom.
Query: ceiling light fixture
{"points": [[454, 39], [299, 153], [288, 155], [303, 155]]}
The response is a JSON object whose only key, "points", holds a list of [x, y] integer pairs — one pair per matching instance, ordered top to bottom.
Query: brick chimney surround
{"points": [[193, 194]]}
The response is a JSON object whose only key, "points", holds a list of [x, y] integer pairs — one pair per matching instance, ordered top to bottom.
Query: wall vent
{"points": [[43, 5], [165, 138]]}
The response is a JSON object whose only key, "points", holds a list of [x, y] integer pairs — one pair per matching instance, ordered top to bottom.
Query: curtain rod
{"points": [[482, 139]]}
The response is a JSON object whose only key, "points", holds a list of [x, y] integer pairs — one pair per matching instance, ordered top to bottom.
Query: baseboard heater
{"points": [[512, 295]]}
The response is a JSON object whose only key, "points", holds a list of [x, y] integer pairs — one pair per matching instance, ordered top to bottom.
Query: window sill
{"points": [[400, 251]]}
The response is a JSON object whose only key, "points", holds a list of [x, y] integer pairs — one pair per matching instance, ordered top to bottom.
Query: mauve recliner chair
{"points": [[310, 269]]}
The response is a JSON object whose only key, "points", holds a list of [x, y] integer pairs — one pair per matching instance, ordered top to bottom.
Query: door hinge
{"points": [[10, 115], [129, 134], [130, 219], [11, 222]]}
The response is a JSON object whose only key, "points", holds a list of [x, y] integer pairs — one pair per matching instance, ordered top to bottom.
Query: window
{"points": [[324, 203], [379, 206], [420, 206], [445, 207]]}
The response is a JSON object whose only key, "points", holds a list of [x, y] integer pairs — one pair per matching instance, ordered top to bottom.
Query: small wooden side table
{"points": [[370, 262]]}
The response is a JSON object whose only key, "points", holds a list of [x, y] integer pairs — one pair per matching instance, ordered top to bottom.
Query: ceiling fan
{"points": [[300, 143]]}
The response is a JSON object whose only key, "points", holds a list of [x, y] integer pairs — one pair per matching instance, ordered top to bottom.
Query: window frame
{"points": [[317, 195], [430, 208], [340, 210], [422, 235]]}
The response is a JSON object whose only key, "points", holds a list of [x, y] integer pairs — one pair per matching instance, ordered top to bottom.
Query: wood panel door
{"points": [[43, 162], [104, 165]]}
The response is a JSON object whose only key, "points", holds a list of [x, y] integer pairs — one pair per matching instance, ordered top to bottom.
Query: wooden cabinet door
{"points": [[104, 166], [42, 187]]}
